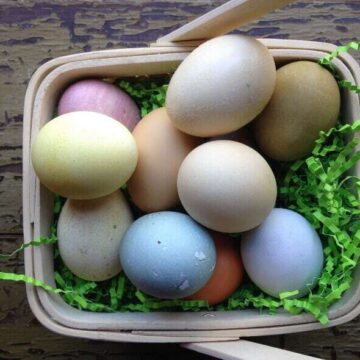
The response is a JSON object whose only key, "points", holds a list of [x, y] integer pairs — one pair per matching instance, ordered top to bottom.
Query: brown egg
{"points": [[161, 148], [228, 272]]}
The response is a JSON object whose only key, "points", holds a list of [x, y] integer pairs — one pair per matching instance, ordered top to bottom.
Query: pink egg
{"points": [[102, 97]]}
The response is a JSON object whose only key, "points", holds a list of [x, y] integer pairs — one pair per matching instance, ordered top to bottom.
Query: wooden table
{"points": [[35, 31]]}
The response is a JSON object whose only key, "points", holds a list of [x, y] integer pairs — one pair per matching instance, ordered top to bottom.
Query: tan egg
{"points": [[221, 86], [306, 100], [162, 148], [84, 155], [226, 186], [90, 232]]}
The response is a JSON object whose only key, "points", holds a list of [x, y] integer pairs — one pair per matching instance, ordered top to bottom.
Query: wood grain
{"points": [[33, 32]]}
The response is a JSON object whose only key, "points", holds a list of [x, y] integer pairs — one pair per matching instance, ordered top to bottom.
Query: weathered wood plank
{"points": [[34, 31], [340, 342]]}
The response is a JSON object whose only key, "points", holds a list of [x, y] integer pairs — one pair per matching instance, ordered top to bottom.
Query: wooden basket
{"points": [[161, 57]]}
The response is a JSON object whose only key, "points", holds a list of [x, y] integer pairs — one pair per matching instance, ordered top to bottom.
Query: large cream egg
{"points": [[221, 86], [306, 101], [162, 148], [84, 155], [226, 186], [89, 235]]}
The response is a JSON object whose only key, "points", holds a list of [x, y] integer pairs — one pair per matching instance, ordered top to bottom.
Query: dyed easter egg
{"points": [[221, 86], [102, 97], [306, 101], [162, 148], [84, 155], [226, 186], [89, 235], [284, 253], [167, 255], [228, 272]]}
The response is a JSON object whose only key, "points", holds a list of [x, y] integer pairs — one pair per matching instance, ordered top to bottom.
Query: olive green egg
{"points": [[306, 100]]}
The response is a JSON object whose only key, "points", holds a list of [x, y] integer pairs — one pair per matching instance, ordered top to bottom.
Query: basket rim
{"points": [[36, 295]]}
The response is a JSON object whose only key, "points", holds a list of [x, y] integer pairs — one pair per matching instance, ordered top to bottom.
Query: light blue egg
{"points": [[283, 254], [168, 255]]}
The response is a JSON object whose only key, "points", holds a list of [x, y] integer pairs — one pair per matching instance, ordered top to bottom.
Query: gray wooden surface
{"points": [[33, 32]]}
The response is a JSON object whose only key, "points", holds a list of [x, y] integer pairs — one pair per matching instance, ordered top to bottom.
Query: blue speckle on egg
{"points": [[167, 255]]}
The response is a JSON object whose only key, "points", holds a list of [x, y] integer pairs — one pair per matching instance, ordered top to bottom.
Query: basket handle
{"points": [[223, 19], [244, 350]]}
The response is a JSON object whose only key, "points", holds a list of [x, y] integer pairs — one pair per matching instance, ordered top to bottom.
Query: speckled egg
{"points": [[102, 97], [84, 155], [90, 232], [283, 254], [167, 255]]}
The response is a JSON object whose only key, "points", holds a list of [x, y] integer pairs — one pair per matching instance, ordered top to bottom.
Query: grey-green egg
{"points": [[89, 235]]}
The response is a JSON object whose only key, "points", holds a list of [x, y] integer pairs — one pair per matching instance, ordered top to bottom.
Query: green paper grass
{"points": [[327, 62], [147, 94]]}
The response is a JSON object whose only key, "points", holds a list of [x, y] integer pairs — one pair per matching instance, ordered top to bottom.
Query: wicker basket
{"points": [[161, 57]]}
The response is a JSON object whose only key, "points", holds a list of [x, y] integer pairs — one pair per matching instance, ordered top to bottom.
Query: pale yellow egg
{"points": [[84, 155]]}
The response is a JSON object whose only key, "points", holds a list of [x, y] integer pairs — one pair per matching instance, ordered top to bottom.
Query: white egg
{"points": [[226, 186], [89, 235]]}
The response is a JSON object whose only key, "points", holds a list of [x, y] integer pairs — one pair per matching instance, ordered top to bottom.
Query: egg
{"points": [[221, 86], [102, 97], [306, 101], [162, 148], [84, 155], [226, 186], [89, 235], [283, 254], [167, 255], [228, 272]]}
